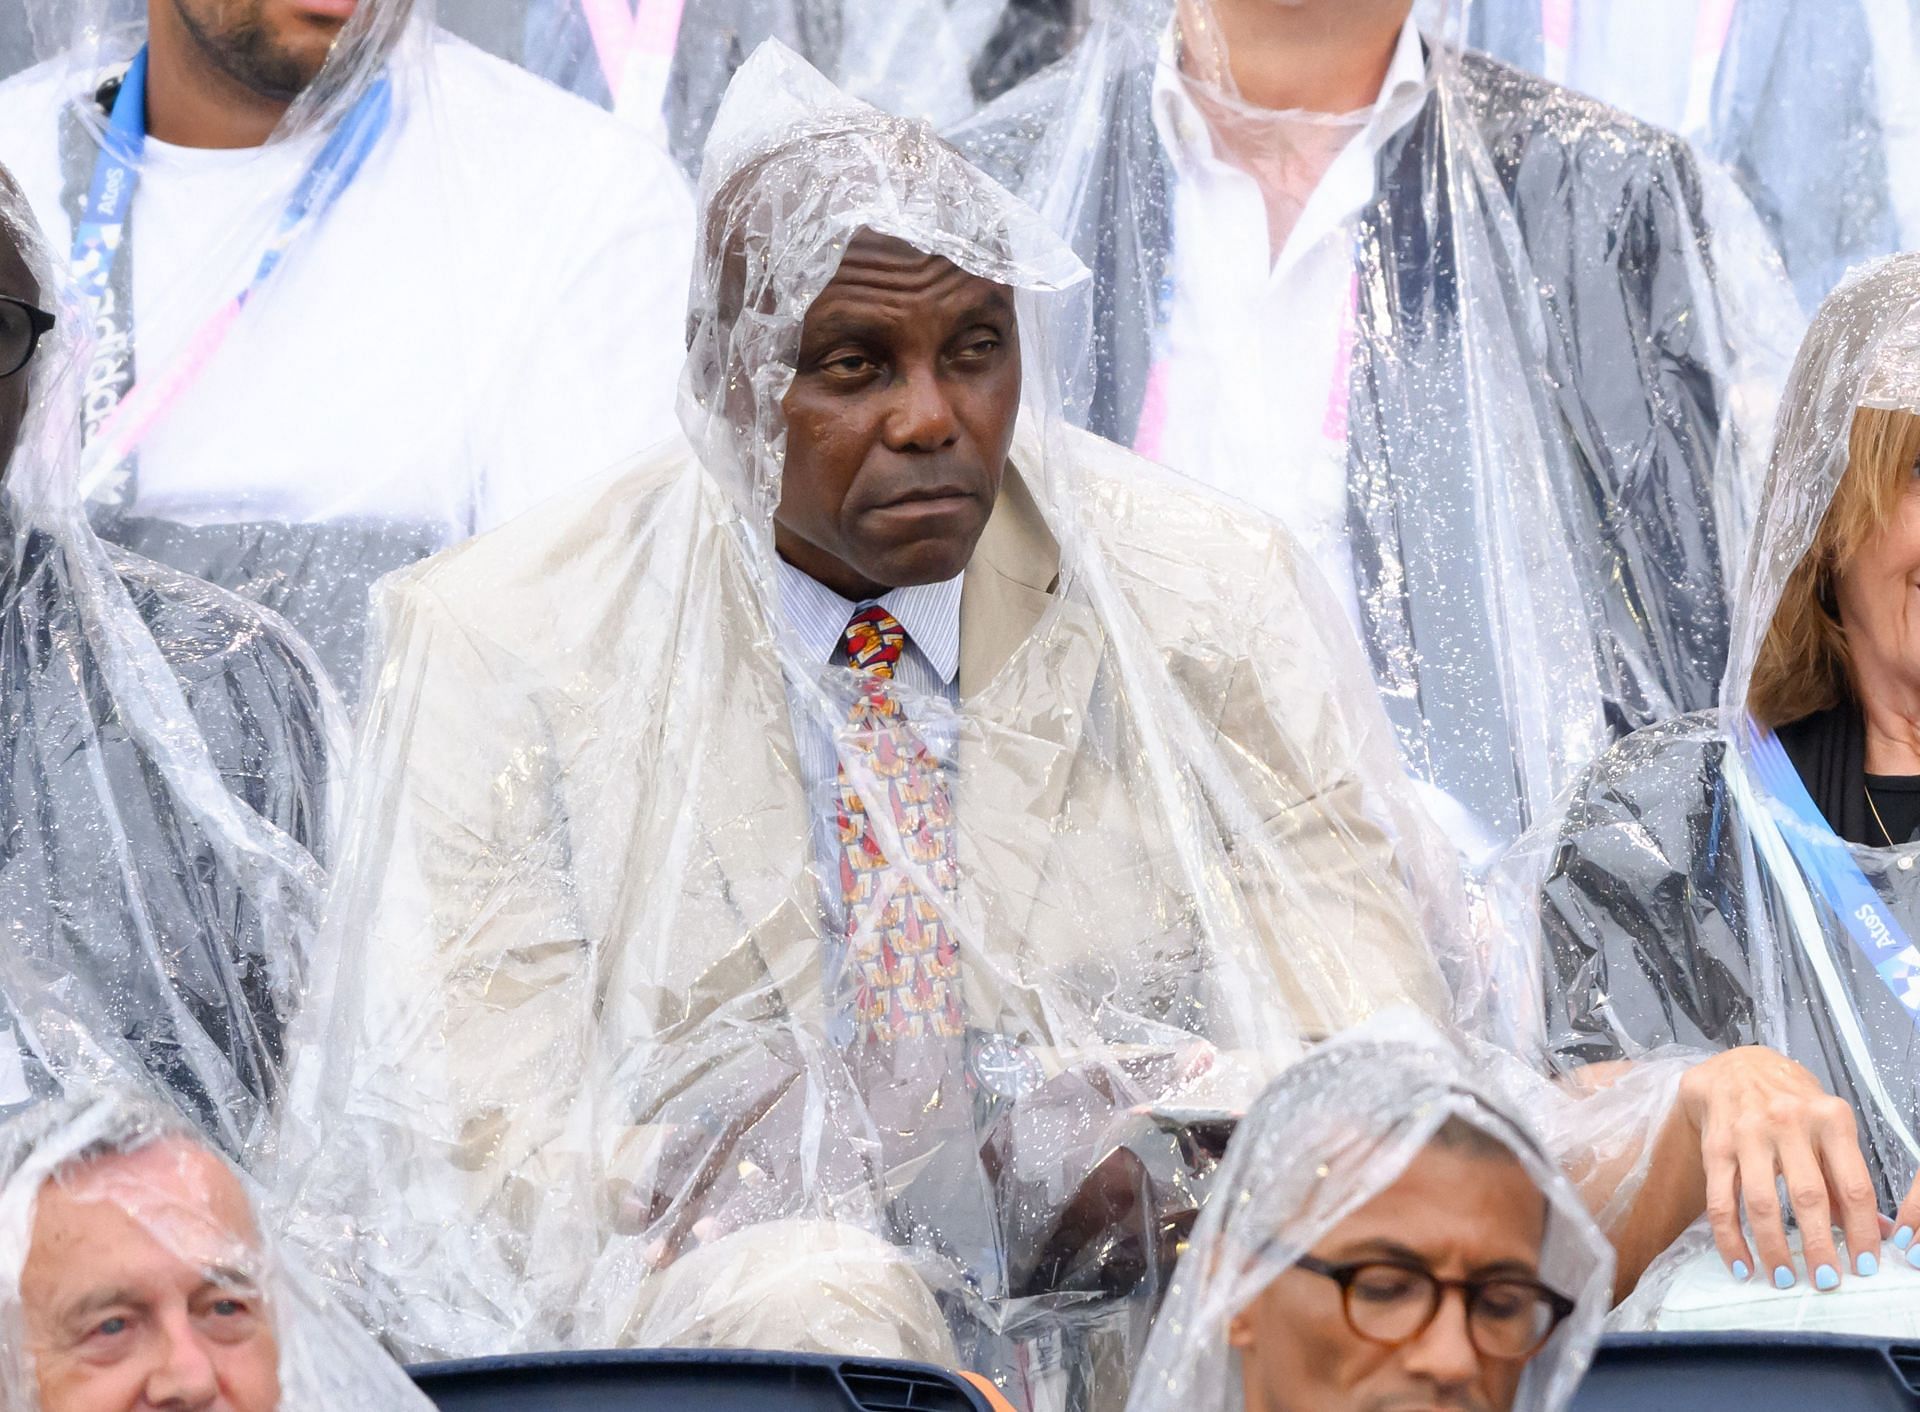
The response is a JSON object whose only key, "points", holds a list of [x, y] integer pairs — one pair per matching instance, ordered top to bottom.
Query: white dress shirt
{"points": [[1249, 387]]}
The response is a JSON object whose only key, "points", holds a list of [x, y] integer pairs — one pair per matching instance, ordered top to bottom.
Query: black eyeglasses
{"points": [[21, 328], [1509, 1317]]}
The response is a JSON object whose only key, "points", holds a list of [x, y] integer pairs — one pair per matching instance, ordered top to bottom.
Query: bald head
{"points": [[141, 1287]]}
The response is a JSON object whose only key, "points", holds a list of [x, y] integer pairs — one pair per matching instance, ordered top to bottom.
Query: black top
{"points": [[1829, 750], [1897, 798]]}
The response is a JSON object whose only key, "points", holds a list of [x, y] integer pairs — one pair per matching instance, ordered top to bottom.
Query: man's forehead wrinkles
{"points": [[901, 276], [862, 305]]}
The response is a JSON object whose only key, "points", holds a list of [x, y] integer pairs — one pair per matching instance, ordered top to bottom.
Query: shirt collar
{"points": [[1183, 128], [818, 617]]}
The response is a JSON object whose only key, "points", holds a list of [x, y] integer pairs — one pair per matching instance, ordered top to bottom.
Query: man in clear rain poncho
{"points": [[664, 65], [1809, 106], [360, 290], [1466, 333], [164, 757], [1746, 878], [712, 900], [1373, 1172], [135, 1273]]}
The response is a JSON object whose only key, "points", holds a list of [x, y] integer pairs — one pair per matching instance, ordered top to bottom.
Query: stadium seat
{"points": [[1730, 1372], [694, 1380]]}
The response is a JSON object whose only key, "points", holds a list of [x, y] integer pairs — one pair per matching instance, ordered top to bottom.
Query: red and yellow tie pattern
{"points": [[903, 963]]}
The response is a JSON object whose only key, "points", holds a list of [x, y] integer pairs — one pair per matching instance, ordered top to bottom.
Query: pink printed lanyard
{"points": [[619, 32]]}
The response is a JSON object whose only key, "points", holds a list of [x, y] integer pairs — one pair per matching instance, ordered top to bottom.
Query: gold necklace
{"points": [[1876, 816]]}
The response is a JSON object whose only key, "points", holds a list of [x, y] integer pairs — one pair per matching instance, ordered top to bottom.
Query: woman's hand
{"points": [[1761, 1116], [1904, 1224]]}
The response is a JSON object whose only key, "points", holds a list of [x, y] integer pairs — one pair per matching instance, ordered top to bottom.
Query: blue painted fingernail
{"points": [[1903, 1237], [1913, 1256], [1867, 1264], [1740, 1270], [1782, 1277], [1826, 1277]]}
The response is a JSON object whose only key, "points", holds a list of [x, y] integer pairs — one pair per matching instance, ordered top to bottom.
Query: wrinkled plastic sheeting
{"points": [[664, 65], [1807, 105], [482, 289], [1551, 407], [165, 756], [1673, 911], [584, 1026], [1330, 1135], [133, 1163]]}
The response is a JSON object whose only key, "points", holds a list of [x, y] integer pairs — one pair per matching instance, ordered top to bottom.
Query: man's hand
{"points": [[1760, 1116]]}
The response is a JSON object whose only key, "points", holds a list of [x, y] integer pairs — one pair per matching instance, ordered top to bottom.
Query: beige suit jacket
{"points": [[585, 885]]}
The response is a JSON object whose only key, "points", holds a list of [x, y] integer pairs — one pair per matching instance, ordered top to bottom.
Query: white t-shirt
{"points": [[493, 311]]}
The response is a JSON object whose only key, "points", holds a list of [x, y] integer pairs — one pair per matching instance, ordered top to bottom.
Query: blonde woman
{"points": [[1744, 882]]}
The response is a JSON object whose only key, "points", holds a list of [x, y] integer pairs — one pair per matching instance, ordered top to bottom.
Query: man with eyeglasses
{"points": [[22, 325], [1385, 1236], [1431, 1286]]}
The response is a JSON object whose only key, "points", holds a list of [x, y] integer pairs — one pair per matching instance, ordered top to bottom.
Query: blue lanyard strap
{"points": [[116, 172], [332, 172], [98, 234], [100, 244], [1828, 864]]}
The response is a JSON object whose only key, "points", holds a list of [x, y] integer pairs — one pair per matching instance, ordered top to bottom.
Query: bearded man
{"points": [[357, 288]]}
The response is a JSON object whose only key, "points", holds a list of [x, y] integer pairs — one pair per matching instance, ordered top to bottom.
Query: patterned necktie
{"points": [[903, 963]]}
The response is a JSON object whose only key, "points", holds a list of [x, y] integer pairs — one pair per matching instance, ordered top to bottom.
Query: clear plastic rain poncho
{"points": [[664, 65], [1808, 105], [371, 336], [1476, 343], [165, 755], [1694, 892], [605, 1002], [1331, 1134], [164, 1205]]}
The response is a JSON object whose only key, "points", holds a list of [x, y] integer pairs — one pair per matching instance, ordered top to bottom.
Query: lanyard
{"points": [[1713, 23], [635, 48], [120, 409], [1828, 865], [1796, 879]]}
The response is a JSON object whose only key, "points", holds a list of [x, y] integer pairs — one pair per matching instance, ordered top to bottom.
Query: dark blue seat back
{"points": [[1751, 1373], [696, 1380]]}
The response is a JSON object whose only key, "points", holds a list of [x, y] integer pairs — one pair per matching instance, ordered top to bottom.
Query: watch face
{"points": [[1002, 1066]]}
